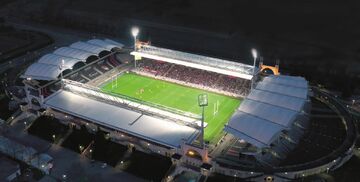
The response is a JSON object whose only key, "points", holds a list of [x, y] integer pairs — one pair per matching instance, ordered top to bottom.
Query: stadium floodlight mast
{"points": [[135, 31], [255, 55], [61, 67], [203, 102]]}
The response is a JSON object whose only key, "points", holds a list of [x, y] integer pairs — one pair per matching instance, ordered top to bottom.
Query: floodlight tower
{"points": [[135, 32], [255, 55], [61, 67], [203, 102]]}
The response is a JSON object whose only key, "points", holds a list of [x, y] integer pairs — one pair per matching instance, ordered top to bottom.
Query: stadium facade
{"points": [[272, 117]]}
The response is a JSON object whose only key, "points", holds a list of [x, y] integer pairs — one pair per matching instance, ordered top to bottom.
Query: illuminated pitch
{"points": [[217, 113]]}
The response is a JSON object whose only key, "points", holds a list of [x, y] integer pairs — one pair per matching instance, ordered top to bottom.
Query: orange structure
{"points": [[274, 69]]}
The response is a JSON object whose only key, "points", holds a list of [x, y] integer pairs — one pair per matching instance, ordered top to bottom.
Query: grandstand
{"points": [[97, 72], [204, 79], [150, 102], [273, 117]]}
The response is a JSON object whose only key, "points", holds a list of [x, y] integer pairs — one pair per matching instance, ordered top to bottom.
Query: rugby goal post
{"points": [[113, 81], [216, 107]]}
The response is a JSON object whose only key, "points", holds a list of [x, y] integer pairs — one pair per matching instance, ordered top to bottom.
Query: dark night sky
{"points": [[320, 38]]}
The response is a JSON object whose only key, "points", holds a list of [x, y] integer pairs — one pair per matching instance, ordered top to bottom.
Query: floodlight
{"points": [[135, 31], [254, 53], [203, 100], [191, 153]]}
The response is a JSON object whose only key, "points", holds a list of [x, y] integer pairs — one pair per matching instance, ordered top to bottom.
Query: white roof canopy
{"points": [[109, 41], [106, 45], [87, 47], [77, 52], [74, 53], [56, 60], [196, 61], [42, 71], [287, 81], [283, 89], [275, 99], [267, 112], [278, 115], [254, 130], [166, 133]]}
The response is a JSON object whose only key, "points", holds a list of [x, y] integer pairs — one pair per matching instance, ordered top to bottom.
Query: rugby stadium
{"points": [[251, 125]]}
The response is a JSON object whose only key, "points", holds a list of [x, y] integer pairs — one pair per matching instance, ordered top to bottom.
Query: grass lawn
{"points": [[178, 97]]}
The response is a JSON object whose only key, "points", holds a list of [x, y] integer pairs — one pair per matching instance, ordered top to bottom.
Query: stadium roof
{"points": [[109, 41], [105, 44], [87, 47], [74, 53], [56, 60], [196, 61], [47, 67], [41, 71], [287, 81], [283, 89], [277, 99], [266, 112], [254, 130], [160, 131]]}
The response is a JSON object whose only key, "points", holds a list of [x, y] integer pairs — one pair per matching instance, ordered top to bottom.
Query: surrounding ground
{"points": [[16, 42], [178, 97], [4, 107], [48, 128], [78, 140], [103, 150], [106, 150], [150, 167], [219, 177]]}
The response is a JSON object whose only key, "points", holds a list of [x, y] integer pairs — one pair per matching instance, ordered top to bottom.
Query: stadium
{"points": [[219, 116]]}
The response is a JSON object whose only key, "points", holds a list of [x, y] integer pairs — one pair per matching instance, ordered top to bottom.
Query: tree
{"points": [[99, 145]]}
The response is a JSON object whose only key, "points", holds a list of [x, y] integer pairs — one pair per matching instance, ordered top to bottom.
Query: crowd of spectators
{"points": [[203, 78]]}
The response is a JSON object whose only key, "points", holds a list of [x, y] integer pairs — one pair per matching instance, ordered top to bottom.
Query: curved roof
{"points": [[114, 42], [106, 45], [87, 47], [73, 53], [56, 60], [47, 67], [41, 71], [287, 81], [283, 89], [275, 99], [273, 106], [278, 115], [254, 130]]}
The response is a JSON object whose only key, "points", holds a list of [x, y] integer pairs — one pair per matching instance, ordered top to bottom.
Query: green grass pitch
{"points": [[178, 97]]}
